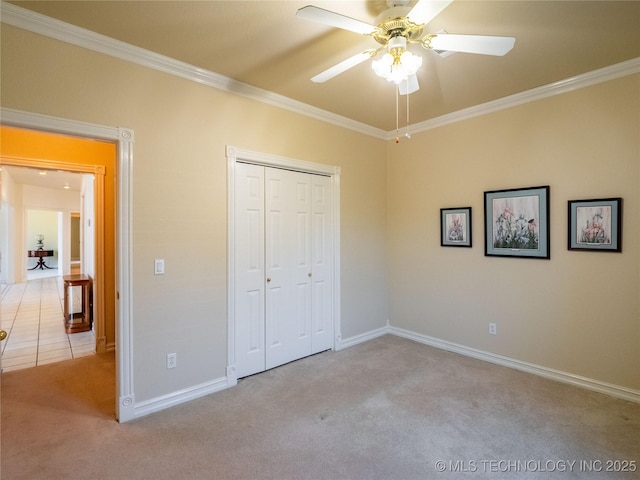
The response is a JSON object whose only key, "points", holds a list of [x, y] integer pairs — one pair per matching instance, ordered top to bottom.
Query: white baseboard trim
{"points": [[363, 337], [565, 377], [181, 396], [175, 398], [132, 410]]}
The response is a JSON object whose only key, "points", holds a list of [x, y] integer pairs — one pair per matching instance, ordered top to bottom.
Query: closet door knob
{"points": [[309, 274], [268, 279]]}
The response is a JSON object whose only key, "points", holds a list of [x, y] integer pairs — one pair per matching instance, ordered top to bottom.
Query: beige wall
{"points": [[179, 199], [41, 207], [34, 210], [41, 222], [578, 312]]}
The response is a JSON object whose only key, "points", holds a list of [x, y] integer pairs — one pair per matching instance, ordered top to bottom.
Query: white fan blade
{"points": [[426, 10], [333, 19], [482, 44], [343, 66], [409, 86]]}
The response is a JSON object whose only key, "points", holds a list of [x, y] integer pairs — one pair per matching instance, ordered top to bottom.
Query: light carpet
{"points": [[386, 409]]}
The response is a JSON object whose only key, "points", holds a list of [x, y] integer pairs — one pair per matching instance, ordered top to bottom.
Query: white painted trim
{"points": [[56, 29], [65, 32], [605, 74], [37, 121], [124, 139], [235, 155], [268, 160], [337, 285], [124, 326], [364, 337], [232, 373], [558, 375], [178, 397]]}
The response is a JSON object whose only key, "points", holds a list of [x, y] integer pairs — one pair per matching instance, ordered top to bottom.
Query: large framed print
{"points": [[516, 223], [595, 225], [455, 227]]}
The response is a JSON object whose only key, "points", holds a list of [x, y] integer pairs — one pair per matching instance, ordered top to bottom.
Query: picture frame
{"points": [[516, 223], [595, 225], [455, 227]]}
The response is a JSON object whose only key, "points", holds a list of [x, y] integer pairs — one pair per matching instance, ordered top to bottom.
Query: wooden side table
{"points": [[78, 322]]}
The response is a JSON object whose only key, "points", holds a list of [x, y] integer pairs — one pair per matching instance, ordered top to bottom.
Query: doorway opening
{"points": [[39, 151], [112, 234], [43, 240], [33, 316]]}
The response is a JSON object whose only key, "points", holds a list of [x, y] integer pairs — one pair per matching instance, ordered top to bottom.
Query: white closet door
{"points": [[322, 258], [283, 263], [288, 266], [249, 267]]}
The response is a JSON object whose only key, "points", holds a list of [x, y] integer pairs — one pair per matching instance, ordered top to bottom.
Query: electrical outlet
{"points": [[158, 268], [492, 329], [171, 360]]}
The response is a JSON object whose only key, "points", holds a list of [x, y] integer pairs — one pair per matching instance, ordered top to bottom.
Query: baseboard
{"points": [[363, 337], [565, 377], [175, 398], [130, 410]]}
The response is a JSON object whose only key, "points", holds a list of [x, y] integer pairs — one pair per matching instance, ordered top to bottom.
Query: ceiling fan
{"points": [[396, 28]]}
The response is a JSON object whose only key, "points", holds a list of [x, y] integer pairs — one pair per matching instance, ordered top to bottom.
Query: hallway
{"points": [[31, 314]]}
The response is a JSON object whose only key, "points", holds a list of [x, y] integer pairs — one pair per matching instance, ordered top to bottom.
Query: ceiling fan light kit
{"points": [[395, 28], [398, 64]]}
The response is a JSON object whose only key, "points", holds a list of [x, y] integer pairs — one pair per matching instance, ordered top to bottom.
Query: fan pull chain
{"points": [[397, 115], [407, 134]]}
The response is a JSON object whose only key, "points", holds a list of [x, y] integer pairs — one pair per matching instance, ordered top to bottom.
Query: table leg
{"points": [[41, 265], [66, 302]]}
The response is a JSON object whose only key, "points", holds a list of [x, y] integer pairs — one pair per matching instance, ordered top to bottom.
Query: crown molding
{"points": [[56, 29], [65, 32], [605, 74]]}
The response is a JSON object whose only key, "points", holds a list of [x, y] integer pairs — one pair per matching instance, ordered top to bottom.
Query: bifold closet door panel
{"points": [[288, 245], [322, 263], [283, 264], [249, 268]]}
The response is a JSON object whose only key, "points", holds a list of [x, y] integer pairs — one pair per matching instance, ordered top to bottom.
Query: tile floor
{"points": [[31, 314]]}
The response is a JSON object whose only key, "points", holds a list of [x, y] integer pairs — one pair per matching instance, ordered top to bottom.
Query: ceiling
{"points": [[264, 44], [55, 179]]}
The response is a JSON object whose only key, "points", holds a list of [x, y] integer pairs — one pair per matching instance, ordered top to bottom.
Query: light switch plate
{"points": [[159, 266]]}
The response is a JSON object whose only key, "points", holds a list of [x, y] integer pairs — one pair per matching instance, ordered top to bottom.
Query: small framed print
{"points": [[516, 223], [595, 225], [455, 227]]}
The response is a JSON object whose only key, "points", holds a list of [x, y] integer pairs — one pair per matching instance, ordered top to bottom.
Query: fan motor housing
{"points": [[393, 22]]}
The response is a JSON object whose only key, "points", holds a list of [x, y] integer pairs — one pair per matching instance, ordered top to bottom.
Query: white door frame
{"points": [[123, 137], [235, 155]]}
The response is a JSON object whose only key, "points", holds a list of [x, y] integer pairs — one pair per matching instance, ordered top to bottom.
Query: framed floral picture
{"points": [[516, 223], [595, 225], [455, 227]]}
